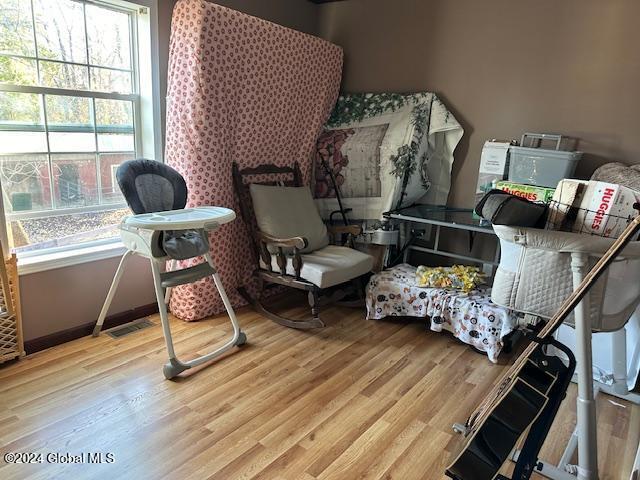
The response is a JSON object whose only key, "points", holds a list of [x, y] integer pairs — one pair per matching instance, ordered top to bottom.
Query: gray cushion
{"points": [[155, 192], [286, 212], [184, 244], [329, 266]]}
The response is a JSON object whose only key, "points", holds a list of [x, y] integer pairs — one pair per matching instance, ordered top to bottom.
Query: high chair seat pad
{"points": [[150, 186], [329, 266]]}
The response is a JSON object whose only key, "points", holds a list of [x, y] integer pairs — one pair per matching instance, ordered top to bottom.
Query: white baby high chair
{"points": [[163, 230], [538, 269]]}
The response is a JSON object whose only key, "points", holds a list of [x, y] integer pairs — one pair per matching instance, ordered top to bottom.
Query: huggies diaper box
{"points": [[529, 192], [597, 208]]}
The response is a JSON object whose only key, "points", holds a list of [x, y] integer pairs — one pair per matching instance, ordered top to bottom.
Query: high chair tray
{"points": [[185, 219]]}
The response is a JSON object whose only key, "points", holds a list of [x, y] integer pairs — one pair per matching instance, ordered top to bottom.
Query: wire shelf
{"points": [[612, 213]]}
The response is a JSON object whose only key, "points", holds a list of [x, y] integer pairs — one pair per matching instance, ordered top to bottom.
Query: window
{"points": [[70, 113]]}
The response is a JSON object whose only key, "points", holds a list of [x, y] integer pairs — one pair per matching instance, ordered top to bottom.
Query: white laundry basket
{"points": [[534, 275]]}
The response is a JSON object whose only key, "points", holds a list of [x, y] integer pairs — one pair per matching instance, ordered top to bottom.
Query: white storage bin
{"points": [[540, 166]]}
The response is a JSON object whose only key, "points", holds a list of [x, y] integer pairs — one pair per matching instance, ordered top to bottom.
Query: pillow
{"points": [[286, 212]]}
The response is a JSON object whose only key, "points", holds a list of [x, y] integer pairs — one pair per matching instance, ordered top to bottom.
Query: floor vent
{"points": [[129, 328]]}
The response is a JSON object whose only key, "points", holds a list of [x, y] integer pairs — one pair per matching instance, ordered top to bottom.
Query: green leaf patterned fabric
{"points": [[413, 160]]}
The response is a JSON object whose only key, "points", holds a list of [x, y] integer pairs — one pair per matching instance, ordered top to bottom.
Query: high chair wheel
{"points": [[242, 339]]}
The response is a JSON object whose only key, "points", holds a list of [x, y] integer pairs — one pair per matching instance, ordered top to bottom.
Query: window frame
{"points": [[134, 98], [145, 98]]}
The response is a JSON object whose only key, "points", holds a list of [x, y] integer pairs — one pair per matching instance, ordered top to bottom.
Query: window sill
{"points": [[52, 261]]}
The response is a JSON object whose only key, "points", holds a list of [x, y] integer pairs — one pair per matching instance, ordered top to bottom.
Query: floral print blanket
{"points": [[239, 89], [472, 317]]}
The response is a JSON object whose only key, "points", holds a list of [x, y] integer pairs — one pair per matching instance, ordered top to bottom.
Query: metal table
{"points": [[440, 217]]}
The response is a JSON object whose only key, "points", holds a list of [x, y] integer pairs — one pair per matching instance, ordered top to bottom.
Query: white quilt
{"points": [[381, 146]]}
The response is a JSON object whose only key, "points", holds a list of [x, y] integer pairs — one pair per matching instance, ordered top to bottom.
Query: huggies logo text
{"points": [[605, 205]]}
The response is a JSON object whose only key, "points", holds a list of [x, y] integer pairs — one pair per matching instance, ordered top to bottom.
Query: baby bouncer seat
{"points": [[163, 230]]}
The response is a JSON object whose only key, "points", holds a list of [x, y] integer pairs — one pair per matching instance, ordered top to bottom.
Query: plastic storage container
{"points": [[540, 166]]}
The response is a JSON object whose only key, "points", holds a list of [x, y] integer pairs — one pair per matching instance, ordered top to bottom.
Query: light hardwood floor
{"points": [[358, 399]]}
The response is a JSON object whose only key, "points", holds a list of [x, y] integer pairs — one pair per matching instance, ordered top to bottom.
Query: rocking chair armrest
{"points": [[354, 230], [293, 242], [296, 243]]}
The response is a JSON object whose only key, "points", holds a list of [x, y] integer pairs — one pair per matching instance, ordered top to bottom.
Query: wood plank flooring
{"points": [[358, 399]]}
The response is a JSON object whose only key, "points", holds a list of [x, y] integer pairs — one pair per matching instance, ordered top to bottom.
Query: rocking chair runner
{"points": [[285, 261]]}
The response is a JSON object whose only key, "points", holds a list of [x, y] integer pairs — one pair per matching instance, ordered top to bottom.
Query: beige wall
{"points": [[503, 67], [64, 298], [56, 300]]}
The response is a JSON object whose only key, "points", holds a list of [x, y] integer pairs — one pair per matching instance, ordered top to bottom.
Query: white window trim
{"points": [[149, 141], [88, 252]]}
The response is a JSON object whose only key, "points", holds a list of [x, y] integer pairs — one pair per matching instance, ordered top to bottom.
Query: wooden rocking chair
{"points": [[280, 260]]}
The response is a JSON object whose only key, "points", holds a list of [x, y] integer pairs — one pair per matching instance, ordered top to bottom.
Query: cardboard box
{"points": [[494, 166], [528, 192], [565, 204], [599, 208], [606, 208]]}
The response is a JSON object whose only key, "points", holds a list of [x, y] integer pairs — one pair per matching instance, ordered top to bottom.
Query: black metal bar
{"points": [[329, 170]]}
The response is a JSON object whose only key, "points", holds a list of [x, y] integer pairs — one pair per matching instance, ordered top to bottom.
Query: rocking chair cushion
{"points": [[286, 212], [329, 266]]}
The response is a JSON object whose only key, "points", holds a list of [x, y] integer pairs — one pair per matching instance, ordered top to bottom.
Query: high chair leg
{"points": [[167, 291], [111, 294], [237, 334], [175, 366]]}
